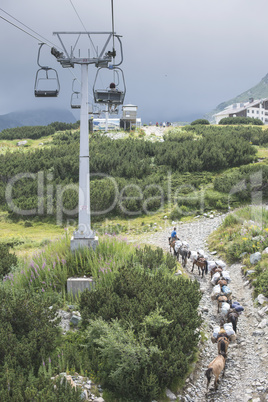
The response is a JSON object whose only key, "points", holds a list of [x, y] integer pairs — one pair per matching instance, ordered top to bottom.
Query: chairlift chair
{"points": [[46, 78], [112, 95], [75, 98], [75, 101]]}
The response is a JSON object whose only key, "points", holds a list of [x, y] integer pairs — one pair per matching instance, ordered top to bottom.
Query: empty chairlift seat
{"points": [[47, 83]]}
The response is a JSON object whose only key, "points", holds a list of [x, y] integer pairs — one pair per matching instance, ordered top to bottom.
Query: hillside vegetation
{"points": [[132, 176], [243, 233], [140, 327]]}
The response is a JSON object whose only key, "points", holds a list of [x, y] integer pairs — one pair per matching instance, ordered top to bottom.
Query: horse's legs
{"points": [[192, 268], [203, 269], [198, 270], [223, 371], [208, 374], [216, 381]]}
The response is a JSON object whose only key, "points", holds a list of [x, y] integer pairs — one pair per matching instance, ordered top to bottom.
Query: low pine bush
{"points": [[155, 338]]}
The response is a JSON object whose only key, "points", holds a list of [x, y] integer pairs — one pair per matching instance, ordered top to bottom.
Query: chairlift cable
{"points": [[83, 26], [27, 28], [20, 29], [38, 39]]}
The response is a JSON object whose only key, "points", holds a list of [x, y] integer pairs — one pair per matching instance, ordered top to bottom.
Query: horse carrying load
{"points": [[225, 331]]}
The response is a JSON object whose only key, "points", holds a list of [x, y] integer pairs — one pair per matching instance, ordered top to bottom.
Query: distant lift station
{"points": [[129, 117]]}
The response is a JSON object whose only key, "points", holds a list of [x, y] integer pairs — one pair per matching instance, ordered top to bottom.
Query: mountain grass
{"points": [[11, 145], [243, 233], [24, 239], [48, 269]]}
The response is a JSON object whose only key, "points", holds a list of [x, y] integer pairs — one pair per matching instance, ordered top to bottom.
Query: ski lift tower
{"points": [[84, 235]]}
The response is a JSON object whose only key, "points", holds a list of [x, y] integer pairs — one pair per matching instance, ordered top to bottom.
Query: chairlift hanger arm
{"points": [[121, 51], [38, 58]]}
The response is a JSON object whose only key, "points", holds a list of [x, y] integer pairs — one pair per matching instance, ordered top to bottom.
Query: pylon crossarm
{"points": [[68, 59]]}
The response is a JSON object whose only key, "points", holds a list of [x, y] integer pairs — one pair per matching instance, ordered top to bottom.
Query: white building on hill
{"points": [[252, 108]]}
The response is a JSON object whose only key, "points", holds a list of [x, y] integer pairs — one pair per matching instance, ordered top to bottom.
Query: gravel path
{"points": [[246, 375]]}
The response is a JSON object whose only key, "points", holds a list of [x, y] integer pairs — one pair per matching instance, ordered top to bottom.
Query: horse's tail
{"points": [[169, 240], [206, 266], [233, 321], [222, 346], [208, 374]]}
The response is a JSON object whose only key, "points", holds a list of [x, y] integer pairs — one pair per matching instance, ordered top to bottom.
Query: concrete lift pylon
{"points": [[84, 235]]}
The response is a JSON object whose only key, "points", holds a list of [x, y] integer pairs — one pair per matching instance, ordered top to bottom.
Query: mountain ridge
{"points": [[259, 91], [36, 117]]}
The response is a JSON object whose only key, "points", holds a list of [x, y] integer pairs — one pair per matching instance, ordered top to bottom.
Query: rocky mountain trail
{"points": [[246, 373]]}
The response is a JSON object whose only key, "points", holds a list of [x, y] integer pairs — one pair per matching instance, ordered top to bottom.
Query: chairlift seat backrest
{"points": [[109, 96]]}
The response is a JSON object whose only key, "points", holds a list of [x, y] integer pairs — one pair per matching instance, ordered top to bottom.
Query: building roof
{"points": [[230, 109]]}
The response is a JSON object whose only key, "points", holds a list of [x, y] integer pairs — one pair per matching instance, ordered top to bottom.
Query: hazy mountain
{"points": [[258, 92], [41, 117]]}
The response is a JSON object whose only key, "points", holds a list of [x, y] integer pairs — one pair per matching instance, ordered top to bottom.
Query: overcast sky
{"points": [[181, 57]]}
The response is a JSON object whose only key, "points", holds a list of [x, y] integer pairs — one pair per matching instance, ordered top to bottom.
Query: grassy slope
{"points": [[11, 145], [31, 238]]}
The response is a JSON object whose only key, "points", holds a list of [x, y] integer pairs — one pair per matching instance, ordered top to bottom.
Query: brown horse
{"points": [[171, 242], [202, 264], [214, 270], [222, 282], [221, 299], [232, 316], [223, 343], [216, 367]]}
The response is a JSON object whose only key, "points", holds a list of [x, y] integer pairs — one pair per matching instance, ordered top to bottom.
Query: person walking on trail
{"points": [[174, 234]]}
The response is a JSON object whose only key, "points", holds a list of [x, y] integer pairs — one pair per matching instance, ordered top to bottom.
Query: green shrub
{"points": [[241, 120], [200, 121], [176, 214], [230, 220], [28, 224], [153, 259], [7, 260], [261, 283], [135, 297], [28, 331], [126, 366], [38, 388]]}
